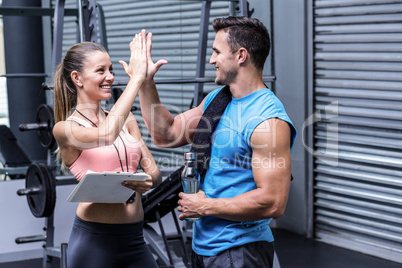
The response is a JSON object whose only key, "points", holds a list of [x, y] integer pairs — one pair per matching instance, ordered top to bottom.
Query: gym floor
{"points": [[294, 251]]}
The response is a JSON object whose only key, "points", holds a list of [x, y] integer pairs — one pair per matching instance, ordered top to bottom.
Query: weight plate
{"points": [[45, 114], [36, 179], [50, 191]]}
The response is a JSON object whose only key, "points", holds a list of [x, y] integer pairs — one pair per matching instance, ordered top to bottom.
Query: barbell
{"points": [[43, 125], [40, 189]]}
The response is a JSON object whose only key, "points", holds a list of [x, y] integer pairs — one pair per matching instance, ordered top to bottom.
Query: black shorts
{"points": [[101, 245], [252, 255]]}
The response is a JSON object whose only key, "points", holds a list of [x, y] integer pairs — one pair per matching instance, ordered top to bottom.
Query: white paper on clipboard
{"points": [[105, 187]]}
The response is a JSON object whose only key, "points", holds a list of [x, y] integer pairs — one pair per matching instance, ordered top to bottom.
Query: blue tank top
{"points": [[229, 173]]}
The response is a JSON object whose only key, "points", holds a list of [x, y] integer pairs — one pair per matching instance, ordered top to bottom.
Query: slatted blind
{"points": [[175, 26], [358, 86]]}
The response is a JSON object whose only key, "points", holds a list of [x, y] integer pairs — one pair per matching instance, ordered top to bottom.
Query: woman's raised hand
{"points": [[137, 67]]}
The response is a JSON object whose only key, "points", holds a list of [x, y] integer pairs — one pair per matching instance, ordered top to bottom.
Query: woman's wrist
{"points": [[136, 81]]}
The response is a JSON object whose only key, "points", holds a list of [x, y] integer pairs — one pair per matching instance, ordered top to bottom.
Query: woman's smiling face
{"points": [[97, 77]]}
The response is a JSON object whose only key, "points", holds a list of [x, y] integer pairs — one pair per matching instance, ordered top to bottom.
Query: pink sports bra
{"points": [[106, 158]]}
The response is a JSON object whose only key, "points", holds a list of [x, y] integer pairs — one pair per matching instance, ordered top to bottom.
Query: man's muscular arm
{"points": [[166, 130]]}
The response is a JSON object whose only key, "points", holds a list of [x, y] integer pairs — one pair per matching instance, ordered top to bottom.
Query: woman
{"points": [[89, 138]]}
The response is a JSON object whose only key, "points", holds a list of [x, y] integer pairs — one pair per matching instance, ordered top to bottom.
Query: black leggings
{"points": [[101, 245]]}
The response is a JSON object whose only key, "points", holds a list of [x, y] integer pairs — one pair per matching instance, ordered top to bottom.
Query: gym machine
{"points": [[13, 161], [41, 182], [40, 188]]}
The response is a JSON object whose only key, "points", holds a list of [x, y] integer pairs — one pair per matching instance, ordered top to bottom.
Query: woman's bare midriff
{"points": [[111, 213]]}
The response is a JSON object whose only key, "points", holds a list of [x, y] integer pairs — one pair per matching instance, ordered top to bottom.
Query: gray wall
{"points": [[291, 86]]}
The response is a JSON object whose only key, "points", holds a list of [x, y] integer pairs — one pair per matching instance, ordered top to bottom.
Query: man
{"points": [[247, 177]]}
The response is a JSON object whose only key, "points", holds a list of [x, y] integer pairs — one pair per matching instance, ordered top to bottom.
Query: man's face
{"points": [[224, 60]]}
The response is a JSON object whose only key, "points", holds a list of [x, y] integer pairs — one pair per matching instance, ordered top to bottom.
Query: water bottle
{"points": [[190, 178]]}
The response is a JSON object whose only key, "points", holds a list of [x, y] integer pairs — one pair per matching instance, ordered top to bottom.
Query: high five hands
{"points": [[141, 62], [137, 67]]}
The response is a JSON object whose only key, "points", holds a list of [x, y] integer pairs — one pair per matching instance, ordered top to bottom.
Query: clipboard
{"points": [[105, 187]]}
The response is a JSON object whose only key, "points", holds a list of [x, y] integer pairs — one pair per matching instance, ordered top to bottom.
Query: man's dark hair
{"points": [[246, 32]]}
